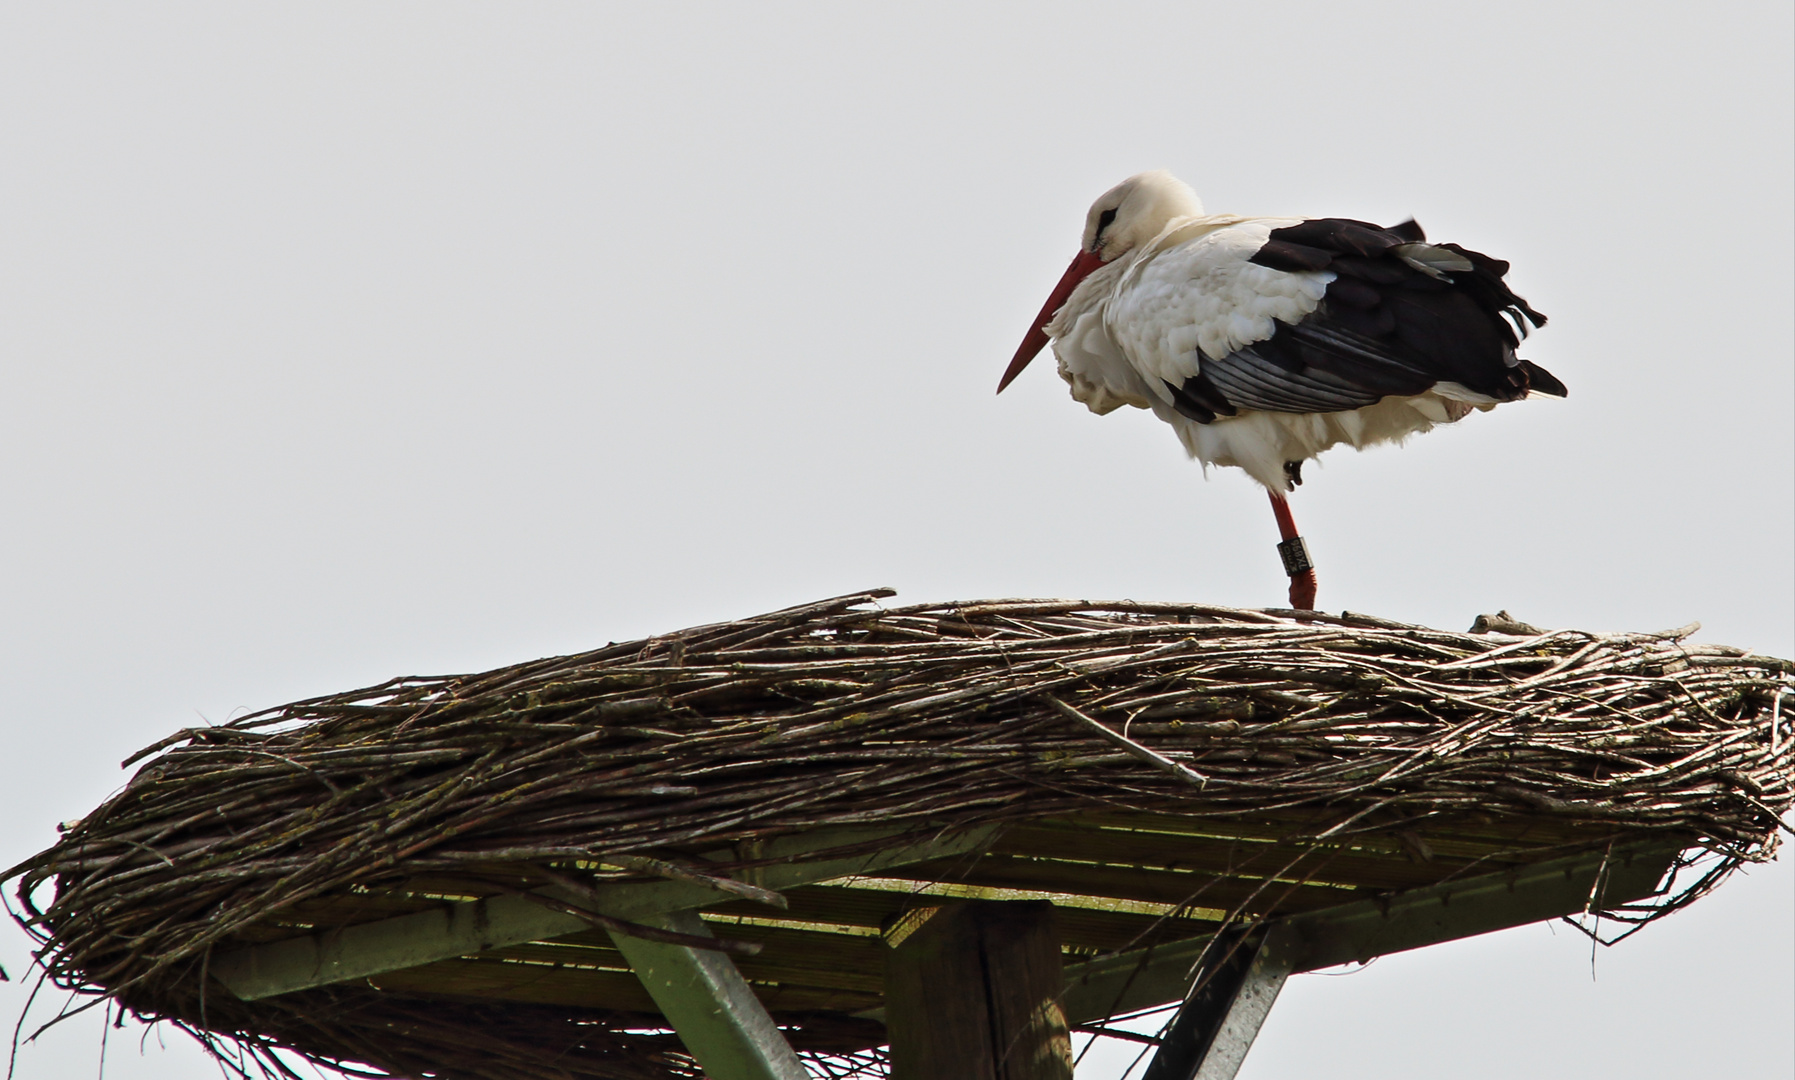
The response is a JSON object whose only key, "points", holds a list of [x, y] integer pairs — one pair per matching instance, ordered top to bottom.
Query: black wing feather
{"points": [[1384, 327], [1253, 380]]}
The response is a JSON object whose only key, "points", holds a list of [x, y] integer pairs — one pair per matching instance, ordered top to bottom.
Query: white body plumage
{"points": [[1146, 320]]}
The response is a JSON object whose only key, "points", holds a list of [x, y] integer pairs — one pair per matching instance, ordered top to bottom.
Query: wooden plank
{"points": [[1479, 838], [1516, 840], [1236, 858], [1128, 882], [1478, 905], [340, 909], [465, 928], [1080, 928], [799, 960], [807, 961], [846, 973], [796, 975], [1142, 978], [491, 979], [1129, 982], [536, 984], [972, 995]]}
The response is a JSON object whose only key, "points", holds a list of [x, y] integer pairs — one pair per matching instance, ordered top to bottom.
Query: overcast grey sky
{"points": [[349, 340]]}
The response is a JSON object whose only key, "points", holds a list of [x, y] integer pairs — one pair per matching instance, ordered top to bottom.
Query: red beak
{"points": [[1036, 340]]}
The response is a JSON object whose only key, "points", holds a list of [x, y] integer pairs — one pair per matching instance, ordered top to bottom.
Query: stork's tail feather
{"points": [[1484, 284], [1541, 381]]}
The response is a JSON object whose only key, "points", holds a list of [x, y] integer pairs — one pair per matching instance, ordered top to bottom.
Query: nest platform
{"points": [[462, 876]]}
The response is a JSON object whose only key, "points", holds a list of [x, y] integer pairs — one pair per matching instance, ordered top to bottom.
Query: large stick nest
{"points": [[839, 712]]}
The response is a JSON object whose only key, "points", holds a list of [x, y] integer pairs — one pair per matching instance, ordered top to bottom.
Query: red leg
{"points": [[1296, 557]]}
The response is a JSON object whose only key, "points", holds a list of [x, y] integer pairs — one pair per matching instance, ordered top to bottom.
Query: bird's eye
{"points": [[1105, 220]]}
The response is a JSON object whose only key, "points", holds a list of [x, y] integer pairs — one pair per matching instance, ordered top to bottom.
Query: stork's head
{"points": [[1134, 211], [1125, 217]]}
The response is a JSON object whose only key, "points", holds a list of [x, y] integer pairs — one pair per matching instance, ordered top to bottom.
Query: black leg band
{"points": [[1295, 554]]}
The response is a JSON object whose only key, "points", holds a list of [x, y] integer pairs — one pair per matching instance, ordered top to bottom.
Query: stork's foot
{"points": [[1293, 475], [1295, 553], [1302, 591]]}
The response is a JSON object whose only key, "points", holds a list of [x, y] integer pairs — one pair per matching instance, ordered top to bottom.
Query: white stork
{"points": [[1263, 341]]}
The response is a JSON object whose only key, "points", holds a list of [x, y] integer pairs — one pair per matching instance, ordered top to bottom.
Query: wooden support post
{"points": [[973, 994]]}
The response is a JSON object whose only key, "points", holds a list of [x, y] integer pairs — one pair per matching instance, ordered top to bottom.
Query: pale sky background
{"points": [[343, 341]]}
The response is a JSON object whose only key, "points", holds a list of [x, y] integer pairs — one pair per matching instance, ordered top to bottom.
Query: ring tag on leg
{"points": [[1295, 554]]}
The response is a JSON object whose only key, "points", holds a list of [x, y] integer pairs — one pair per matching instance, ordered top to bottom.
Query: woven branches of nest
{"points": [[943, 716]]}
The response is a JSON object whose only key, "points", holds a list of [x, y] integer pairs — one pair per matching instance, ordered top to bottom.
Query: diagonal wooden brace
{"points": [[700, 992], [1216, 1025]]}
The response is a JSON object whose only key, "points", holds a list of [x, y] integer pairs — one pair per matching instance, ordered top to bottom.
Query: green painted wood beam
{"points": [[1478, 905], [463, 929], [1143, 978], [709, 1004]]}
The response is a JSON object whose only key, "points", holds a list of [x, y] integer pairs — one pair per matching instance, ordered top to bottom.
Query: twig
{"points": [[1188, 775]]}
